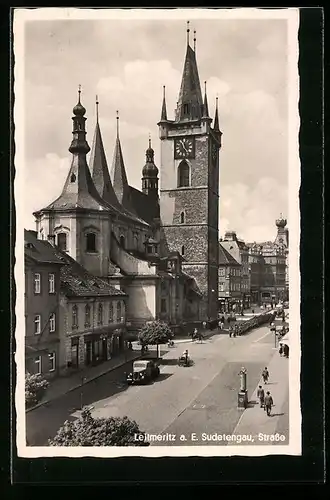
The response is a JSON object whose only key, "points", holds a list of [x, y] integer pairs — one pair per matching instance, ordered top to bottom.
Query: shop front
{"points": [[101, 346]]}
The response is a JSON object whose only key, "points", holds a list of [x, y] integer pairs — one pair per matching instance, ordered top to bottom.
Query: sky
{"points": [[126, 63]]}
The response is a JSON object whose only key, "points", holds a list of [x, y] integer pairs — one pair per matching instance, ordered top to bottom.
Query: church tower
{"points": [[189, 190], [79, 220]]}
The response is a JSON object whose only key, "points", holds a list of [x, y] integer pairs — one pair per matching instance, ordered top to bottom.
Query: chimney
{"points": [[51, 239]]}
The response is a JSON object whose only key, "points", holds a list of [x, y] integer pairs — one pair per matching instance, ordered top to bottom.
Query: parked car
{"points": [[144, 370]]}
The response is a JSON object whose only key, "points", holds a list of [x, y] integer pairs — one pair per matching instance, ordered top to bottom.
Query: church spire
{"points": [[190, 102], [205, 105], [164, 111], [216, 127], [99, 167], [118, 172], [79, 190]]}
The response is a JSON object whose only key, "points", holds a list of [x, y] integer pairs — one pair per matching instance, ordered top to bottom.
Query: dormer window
{"points": [[73, 178], [62, 241]]}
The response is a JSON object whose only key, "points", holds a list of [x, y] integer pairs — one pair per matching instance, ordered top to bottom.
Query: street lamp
{"points": [[83, 379], [243, 394]]}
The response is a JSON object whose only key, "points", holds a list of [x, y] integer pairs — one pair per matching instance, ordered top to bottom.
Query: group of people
{"points": [[196, 335], [284, 350], [266, 400]]}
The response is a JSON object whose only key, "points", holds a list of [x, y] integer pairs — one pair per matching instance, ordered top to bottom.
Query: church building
{"points": [[159, 246]]}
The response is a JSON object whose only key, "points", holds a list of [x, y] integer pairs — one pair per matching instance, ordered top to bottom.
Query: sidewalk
{"points": [[62, 385], [254, 420]]}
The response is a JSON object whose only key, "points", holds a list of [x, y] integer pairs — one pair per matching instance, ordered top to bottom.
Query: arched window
{"points": [[186, 109], [183, 174], [182, 218], [62, 241], [122, 241], [90, 242], [182, 250], [118, 311], [111, 313], [87, 315], [100, 315], [75, 316]]}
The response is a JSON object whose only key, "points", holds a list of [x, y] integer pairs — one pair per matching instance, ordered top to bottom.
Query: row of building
{"points": [[105, 257]]}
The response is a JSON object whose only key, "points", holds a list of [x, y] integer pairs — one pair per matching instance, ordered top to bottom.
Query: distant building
{"points": [[240, 251], [270, 267], [230, 281]]}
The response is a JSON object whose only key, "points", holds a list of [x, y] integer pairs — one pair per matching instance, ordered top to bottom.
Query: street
{"points": [[183, 400]]}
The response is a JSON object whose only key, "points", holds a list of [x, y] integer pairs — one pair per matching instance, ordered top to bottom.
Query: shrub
{"points": [[35, 386], [89, 431]]}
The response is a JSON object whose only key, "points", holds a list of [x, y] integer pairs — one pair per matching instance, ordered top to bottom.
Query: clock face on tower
{"points": [[184, 148]]}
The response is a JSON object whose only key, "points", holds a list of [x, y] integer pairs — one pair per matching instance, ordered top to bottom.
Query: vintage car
{"points": [[144, 370]]}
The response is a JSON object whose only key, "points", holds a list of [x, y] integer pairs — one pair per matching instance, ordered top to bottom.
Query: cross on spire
{"points": [[188, 31], [194, 40], [79, 92], [97, 109], [117, 118]]}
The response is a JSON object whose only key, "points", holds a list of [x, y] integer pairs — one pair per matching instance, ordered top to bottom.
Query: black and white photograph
{"points": [[158, 232]]}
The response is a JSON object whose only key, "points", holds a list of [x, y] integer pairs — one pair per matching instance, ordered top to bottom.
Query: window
{"points": [[186, 109], [183, 174], [72, 178], [182, 218], [61, 241], [122, 241], [136, 241], [90, 242], [149, 249], [182, 250], [221, 271], [51, 282], [37, 283], [221, 287], [163, 306], [118, 311], [111, 313], [87, 315], [100, 315], [75, 316], [52, 323], [37, 324], [52, 361], [37, 362]]}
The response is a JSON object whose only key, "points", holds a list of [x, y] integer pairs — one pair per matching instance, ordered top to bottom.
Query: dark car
{"points": [[144, 370]]}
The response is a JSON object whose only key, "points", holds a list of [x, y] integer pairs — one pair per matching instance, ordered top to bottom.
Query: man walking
{"points": [[265, 375], [261, 396], [268, 403]]}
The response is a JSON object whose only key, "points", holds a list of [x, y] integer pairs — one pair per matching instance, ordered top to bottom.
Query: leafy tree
{"points": [[155, 333], [35, 386], [89, 431]]}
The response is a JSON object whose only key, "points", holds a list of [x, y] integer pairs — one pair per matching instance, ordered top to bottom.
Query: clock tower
{"points": [[189, 187]]}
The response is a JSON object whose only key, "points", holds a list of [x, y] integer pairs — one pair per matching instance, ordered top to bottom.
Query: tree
{"points": [[155, 333], [35, 386], [89, 431]]}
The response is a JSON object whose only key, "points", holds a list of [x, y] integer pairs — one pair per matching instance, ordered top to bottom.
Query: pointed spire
{"points": [[190, 101], [205, 105], [164, 111], [216, 117], [99, 168], [118, 171]]}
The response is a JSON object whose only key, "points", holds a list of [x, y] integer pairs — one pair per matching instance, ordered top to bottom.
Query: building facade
{"points": [[230, 281], [42, 298]]}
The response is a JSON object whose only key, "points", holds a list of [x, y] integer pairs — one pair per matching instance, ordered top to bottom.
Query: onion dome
{"points": [[79, 109], [150, 169], [281, 222]]}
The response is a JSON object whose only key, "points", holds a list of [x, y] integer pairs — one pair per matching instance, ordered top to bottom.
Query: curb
{"points": [[42, 403]]}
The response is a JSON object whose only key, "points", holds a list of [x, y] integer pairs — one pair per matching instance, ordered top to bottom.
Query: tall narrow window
{"points": [[186, 109], [183, 174], [182, 218], [61, 241], [122, 241], [90, 242], [182, 250], [51, 282], [37, 283], [118, 311], [111, 313], [87, 315], [100, 315], [75, 316], [52, 323], [37, 324], [52, 361], [37, 363]]}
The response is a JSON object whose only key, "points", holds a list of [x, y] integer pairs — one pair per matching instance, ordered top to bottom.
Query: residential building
{"points": [[230, 281]]}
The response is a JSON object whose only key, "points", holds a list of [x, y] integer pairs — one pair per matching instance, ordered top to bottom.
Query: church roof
{"points": [[190, 90], [99, 170], [141, 204], [225, 258]]}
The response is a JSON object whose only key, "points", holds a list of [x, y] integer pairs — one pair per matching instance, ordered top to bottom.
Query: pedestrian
{"points": [[252, 311], [222, 319], [220, 324], [204, 325], [230, 331], [281, 350], [286, 351], [265, 375], [261, 396], [268, 403]]}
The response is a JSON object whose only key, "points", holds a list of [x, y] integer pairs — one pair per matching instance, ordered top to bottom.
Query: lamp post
{"points": [[83, 379], [243, 394]]}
